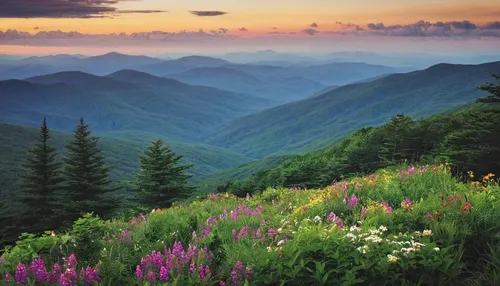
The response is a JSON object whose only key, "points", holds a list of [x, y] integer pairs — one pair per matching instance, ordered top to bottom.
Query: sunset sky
{"points": [[293, 25]]}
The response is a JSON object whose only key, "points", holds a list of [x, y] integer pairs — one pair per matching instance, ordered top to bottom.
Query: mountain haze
{"points": [[347, 108]]}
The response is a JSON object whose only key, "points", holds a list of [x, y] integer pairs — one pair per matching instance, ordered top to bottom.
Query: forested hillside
{"points": [[345, 109], [467, 137], [121, 150]]}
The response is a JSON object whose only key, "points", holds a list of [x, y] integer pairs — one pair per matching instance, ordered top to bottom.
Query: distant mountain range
{"points": [[278, 83], [126, 100], [347, 108]]}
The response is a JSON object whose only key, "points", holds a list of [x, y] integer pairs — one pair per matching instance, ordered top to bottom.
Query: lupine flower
{"points": [[352, 201], [334, 218], [210, 220], [206, 232], [125, 235], [2, 260], [71, 261], [191, 267], [138, 272], [56, 273], [21, 274], [71, 274], [163, 274], [91, 276], [7, 277], [151, 277], [65, 281], [222, 283]]}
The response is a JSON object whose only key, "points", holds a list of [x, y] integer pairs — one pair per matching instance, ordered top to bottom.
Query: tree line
{"points": [[467, 137], [57, 188]]}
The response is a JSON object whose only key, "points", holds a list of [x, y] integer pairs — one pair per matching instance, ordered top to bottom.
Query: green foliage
{"points": [[493, 90], [467, 138], [161, 179], [87, 185], [41, 186], [437, 232]]}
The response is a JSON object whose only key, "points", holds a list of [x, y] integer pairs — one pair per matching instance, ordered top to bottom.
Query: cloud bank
{"points": [[64, 9], [437, 29]]}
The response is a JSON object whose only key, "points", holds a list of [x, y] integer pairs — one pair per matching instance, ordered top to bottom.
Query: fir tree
{"points": [[493, 90], [162, 180], [41, 185], [88, 187]]}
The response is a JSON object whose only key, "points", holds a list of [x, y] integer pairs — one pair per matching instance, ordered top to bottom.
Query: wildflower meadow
{"points": [[407, 225]]}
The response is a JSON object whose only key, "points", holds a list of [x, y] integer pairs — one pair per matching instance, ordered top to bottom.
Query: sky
{"points": [[310, 26]]}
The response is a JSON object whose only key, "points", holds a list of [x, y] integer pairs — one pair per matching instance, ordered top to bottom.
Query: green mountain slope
{"points": [[126, 100], [347, 108], [468, 137], [121, 149]]}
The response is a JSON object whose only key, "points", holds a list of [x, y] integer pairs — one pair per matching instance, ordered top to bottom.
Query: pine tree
{"points": [[493, 90], [391, 148], [162, 180], [87, 184], [41, 185]]}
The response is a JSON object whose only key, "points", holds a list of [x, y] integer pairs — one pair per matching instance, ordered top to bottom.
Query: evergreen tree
{"points": [[493, 90], [391, 148], [162, 179], [41, 185], [88, 187]]}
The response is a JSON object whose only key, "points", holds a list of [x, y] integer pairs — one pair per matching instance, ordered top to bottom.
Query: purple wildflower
{"points": [[334, 218], [210, 220], [206, 232], [271, 232], [125, 235], [191, 267], [138, 272], [56, 273], [21, 274], [163, 274], [91, 276], [7, 277], [151, 277], [65, 281], [222, 283]]}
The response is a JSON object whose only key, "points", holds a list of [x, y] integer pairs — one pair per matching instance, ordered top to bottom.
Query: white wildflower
{"points": [[382, 228], [427, 232], [351, 236], [436, 248], [391, 258]]}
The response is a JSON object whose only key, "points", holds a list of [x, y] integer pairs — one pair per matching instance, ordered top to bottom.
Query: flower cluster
{"points": [[351, 201], [407, 205], [140, 219], [335, 219], [175, 262], [37, 273], [240, 273]]}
